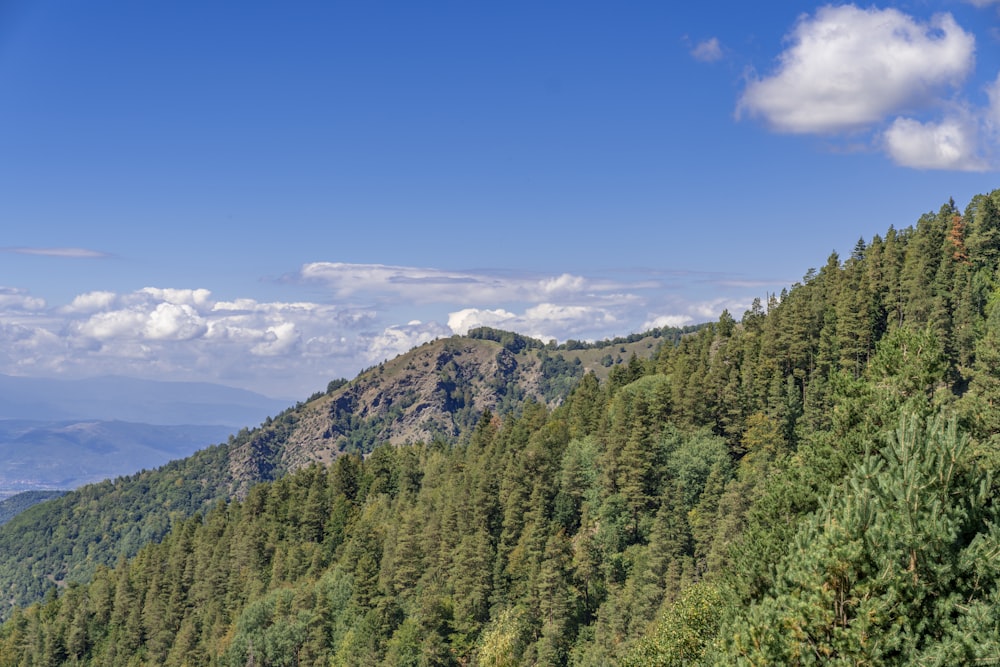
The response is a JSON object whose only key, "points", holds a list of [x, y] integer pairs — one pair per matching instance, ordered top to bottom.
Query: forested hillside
{"points": [[436, 391], [812, 483]]}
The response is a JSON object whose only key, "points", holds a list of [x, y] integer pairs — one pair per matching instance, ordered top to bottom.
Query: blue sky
{"points": [[272, 195]]}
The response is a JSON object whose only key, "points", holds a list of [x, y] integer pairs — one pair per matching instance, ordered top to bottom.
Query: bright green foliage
{"points": [[889, 570], [683, 632]]}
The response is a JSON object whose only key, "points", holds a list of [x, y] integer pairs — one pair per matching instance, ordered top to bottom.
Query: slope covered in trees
{"points": [[436, 391], [812, 483]]}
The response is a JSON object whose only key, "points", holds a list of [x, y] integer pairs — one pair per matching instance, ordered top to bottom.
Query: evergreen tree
{"points": [[883, 573]]}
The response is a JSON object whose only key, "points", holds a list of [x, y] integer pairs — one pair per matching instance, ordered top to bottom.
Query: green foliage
{"points": [[511, 341], [334, 385], [375, 561], [889, 569], [683, 632]]}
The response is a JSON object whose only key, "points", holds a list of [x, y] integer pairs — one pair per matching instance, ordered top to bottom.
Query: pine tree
{"points": [[883, 574], [558, 601]]}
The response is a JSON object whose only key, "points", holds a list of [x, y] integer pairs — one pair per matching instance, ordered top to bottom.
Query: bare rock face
{"points": [[438, 390], [435, 391]]}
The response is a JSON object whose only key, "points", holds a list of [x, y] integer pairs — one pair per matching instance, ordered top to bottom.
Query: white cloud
{"points": [[707, 51], [849, 68], [883, 74], [992, 115], [950, 144], [415, 282], [563, 284], [12, 298], [198, 298], [91, 302], [710, 310], [551, 313], [152, 314], [683, 314], [170, 321], [462, 321], [543, 321], [668, 321], [114, 324], [280, 339], [396, 340], [279, 348]]}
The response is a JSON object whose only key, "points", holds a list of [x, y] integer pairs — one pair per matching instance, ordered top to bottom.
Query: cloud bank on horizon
{"points": [[886, 77], [293, 348]]}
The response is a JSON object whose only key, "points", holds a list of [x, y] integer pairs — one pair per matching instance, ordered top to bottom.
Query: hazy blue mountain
{"points": [[112, 398], [61, 434], [64, 455], [14, 505]]}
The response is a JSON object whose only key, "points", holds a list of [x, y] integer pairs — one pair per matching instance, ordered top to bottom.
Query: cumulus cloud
{"points": [[707, 51], [848, 68], [850, 71], [993, 109], [949, 144], [424, 284], [563, 284], [12, 298], [199, 298], [90, 302], [244, 306], [710, 310], [548, 312], [543, 320], [170, 321], [462, 321], [668, 321], [114, 324], [278, 340], [396, 340], [278, 348]]}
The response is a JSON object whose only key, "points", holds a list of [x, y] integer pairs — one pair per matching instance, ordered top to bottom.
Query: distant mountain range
{"points": [[111, 398], [60, 434], [64, 455]]}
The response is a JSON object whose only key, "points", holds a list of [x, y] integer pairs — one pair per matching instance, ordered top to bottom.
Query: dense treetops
{"points": [[436, 391], [812, 483]]}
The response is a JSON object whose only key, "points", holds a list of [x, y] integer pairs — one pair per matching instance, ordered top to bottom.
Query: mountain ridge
{"points": [[106, 516]]}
